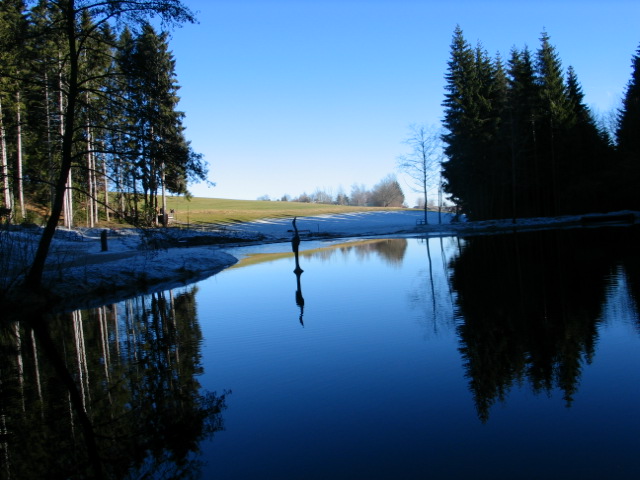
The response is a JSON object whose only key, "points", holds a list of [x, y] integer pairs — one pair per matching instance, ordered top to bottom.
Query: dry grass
{"points": [[201, 210], [217, 210]]}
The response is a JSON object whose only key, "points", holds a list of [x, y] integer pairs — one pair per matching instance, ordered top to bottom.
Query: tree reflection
{"points": [[391, 250], [432, 296], [530, 304], [111, 392]]}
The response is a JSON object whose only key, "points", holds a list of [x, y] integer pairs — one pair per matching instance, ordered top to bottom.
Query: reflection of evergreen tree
{"points": [[628, 254], [633, 282], [530, 304], [134, 369]]}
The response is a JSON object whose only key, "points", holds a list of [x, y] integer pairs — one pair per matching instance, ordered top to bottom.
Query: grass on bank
{"points": [[201, 210], [218, 210]]}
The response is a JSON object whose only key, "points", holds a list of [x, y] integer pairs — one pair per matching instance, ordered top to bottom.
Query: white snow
{"points": [[78, 269]]}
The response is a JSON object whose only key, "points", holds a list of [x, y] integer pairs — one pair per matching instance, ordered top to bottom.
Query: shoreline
{"points": [[80, 275]]}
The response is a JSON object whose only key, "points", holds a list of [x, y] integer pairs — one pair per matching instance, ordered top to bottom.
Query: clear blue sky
{"points": [[286, 96]]}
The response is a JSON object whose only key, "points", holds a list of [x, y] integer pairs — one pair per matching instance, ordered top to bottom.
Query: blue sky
{"points": [[287, 96]]}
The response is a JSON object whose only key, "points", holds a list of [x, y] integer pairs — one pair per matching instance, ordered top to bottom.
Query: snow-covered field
{"points": [[347, 225], [81, 273]]}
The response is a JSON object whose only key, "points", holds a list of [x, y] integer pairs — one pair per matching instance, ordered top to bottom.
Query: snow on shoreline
{"points": [[81, 274]]}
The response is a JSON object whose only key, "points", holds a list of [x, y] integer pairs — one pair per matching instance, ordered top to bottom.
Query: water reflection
{"points": [[295, 245], [391, 250], [432, 294], [299, 297], [530, 305], [511, 311], [109, 392]]}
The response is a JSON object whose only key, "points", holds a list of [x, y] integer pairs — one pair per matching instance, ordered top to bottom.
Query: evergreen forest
{"points": [[108, 88], [88, 107], [519, 140]]}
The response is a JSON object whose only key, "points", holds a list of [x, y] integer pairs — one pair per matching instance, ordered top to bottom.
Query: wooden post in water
{"points": [[103, 240]]}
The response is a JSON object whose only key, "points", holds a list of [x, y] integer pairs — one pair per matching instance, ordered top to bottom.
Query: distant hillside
{"points": [[219, 210]]}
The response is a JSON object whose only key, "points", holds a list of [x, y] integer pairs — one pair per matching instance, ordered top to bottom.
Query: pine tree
{"points": [[70, 30], [43, 52], [94, 63], [50, 72], [474, 105], [12, 116], [553, 117], [521, 118], [627, 134], [123, 139], [628, 139], [523, 143], [163, 159], [498, 162], [461, 170], [583, 175]]}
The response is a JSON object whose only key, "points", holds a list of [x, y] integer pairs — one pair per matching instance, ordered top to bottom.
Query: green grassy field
{"points": [[218, 210]]}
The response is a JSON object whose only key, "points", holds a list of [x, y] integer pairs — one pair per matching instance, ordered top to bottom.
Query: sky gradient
{"points": [[287, 96]]}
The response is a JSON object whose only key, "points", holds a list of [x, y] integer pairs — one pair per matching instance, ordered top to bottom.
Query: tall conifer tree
{"points": [[13, 26], [474, 105], [553, 116], [521, 118], [628, 133], [628, 136], [521, 142], [163, 158], [463, 170], [584, 174]]}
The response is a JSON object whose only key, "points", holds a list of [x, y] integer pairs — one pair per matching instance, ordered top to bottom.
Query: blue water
{"points": [[513, 356], [373, 384]]}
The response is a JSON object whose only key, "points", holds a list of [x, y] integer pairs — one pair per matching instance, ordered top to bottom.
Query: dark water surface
{"points": [[504, 356]]}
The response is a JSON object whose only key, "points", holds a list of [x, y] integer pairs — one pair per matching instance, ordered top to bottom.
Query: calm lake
{"points": [[512, 356]]}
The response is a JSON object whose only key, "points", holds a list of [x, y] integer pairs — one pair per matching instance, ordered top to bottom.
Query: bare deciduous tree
{"points": [[422, 163], [359, 195], [322, 196]]}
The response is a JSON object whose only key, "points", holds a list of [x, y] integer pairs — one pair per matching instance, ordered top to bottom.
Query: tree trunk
{"points": [[49, 142], [19, 155], [5, 164], [425, 169], [90, 185], [120, 186], [106, 188], [68, 193], [426, 201], [440, 201], [68, 202], [165, 215]]}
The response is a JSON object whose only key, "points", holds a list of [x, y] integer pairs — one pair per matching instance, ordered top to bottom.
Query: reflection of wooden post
{"points": [[295, 244]]}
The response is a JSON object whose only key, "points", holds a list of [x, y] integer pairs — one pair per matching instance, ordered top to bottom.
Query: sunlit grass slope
{"points": [[219, 210]]}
